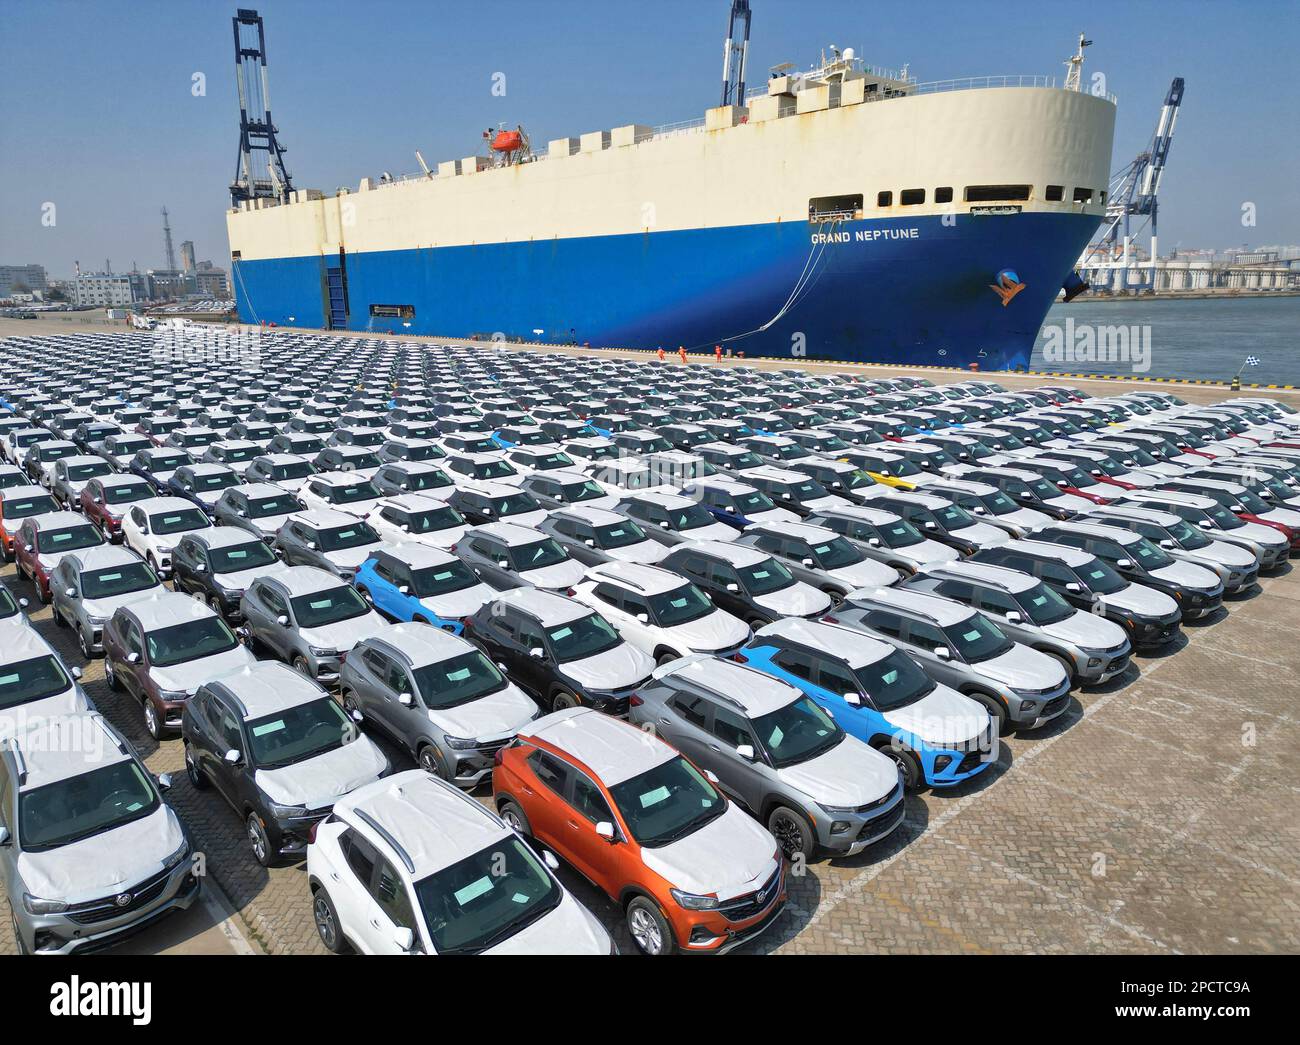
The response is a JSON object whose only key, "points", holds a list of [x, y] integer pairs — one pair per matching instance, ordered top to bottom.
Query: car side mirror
{"points": [[1095, 471], [1060, 483], [98, 500], [487, 510], [980, 510], [663, 524], [1205, 524], [930, 526], [406, 527], [589, 542], [1167, 543], [311, 546], [29, 548], [806, 562], [1124, 564], [200, 567], [732, 586], [1074, 587], [404, 589], [71, 593], [23, 603], [644, 618], [282, 620], [537, 652], [942, 652], [133, 657], [405, 699], [853, 699], [356, 716], [745, 751], [232, 757], [164, 781], [606, 830], [4, 836], [549, 859], [404, 939]]}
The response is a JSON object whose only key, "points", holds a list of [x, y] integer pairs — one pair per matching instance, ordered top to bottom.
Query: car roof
{"points": [[775, 474], [22, 492], [662, 499], [153, 505], [1133, 511], [587, 513], [323, 518], [54, 520], [1097, 529], [803, 530], [512, 534], [728, 551], [103, 556], [418, 556], [1072, 557], [1006, 577], [301, 580], [649, 580], [548, 607], [166, 608], [943, 611], [24, 644], [421, 644], [849, 645], [268, 686], [756, 692], [612, 749], [50, 758], [432, 824]]}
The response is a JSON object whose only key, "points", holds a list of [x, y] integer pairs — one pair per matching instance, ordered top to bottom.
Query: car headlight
{"points": [[164, 549], [96, 622], [320, 651], [1094, 662], [172, 696], [461, 743], [837, 810], [286, 812], [182, 851], [693, 901], [35, 905]]}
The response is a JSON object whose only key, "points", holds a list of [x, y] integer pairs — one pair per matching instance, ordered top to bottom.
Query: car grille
{"points": [[1119, 664], [1054, 706], [969, 761], [882, 801], [884, 822], [750, 904], [102, 910]]}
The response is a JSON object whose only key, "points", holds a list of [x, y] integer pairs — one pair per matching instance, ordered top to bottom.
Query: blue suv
{"points": [[414, 582], [881, 696]]}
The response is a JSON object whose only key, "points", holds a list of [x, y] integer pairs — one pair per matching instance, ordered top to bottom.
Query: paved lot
{"points": [[1158, 815]]}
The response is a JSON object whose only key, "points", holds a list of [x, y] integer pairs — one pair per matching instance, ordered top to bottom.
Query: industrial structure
{"points": [[735, 54], [260, 174]]}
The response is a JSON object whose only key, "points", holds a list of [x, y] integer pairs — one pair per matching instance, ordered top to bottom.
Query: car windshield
{"points": [[423, 453], [1141, 458], [360, 460], [552, 460], [294, 470], [492, 470], [80, 472], [216, 481], [584, 491], [353, 492], [126, 493], [1253, 503], [36, 504], [279, 504], [515, 504], [690, 517], [954, 518], [432, 519], [178, 521], [619, 534], [341, 537], [1188, 537], [68, 538], [537, 554], [836, 554], [1150, 556], [237, 557], [450, 576], [765, 577], [1101, 578], [117, 580], [1041, 605], [679, 606], [8, 607], [328, 607], [581, 638], [977, 639], [181, 643], [33, 679], [457, 680], [893, 682], [797, 732], [298, 733], [666, 803], [88, 804], [486, 898]]}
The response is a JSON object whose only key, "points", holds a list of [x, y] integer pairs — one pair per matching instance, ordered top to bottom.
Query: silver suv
{"points": [[885, 537], [819, 556], [89, 585], [961, 648], [1091, 648], [436, 695], [776, 752], [89, 851]]}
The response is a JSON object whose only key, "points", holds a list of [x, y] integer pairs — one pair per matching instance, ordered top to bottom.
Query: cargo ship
{"points": [[846, 212]]}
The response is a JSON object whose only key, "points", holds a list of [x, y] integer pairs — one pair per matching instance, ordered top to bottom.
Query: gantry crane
{"points": [[253, 178]]}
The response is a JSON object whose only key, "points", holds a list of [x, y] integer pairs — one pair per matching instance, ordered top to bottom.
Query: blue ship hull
{"points": [[908, 291]]}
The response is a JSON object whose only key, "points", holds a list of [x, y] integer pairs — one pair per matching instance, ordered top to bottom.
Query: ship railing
{"points": [[976, 83]]}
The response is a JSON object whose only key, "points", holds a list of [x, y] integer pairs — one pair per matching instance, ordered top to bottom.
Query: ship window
{"points": [[995, 193], [1055, 193], [943, 194], [1083, 195], [911, 197], [884, 199], [821, 208], [393, 311]]}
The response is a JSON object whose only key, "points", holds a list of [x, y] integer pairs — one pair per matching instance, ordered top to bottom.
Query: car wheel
{"points": [[5, 556], [153, 564], [42, 594], [836, 596], [214, 604], [59, 622], [757, 622], [85, 645], [667, 657], [301, 666], [110, 674], [564, 699], [352, 708], [997, 711], [151, 720], [431, 762], [908, 763], [193, 771], [515, 817], [792, 832], [258, 840], [327, 923], [649, 928]]}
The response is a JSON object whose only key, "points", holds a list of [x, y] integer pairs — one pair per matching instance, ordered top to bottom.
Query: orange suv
{"points": [[690, 869]]}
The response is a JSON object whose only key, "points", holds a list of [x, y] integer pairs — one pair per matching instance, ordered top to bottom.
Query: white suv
{"points": [[152, 528], [660, 612], [412, 865]]}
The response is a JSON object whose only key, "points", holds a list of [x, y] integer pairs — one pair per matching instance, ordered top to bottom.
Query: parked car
{"points": [[71, 474], [257, 508], [151, 528], [43, 540], [331, 540], [507, 556], [819, 556], [217, 565], [746, 582], [427, 585], [88, 586], [35, 682]]}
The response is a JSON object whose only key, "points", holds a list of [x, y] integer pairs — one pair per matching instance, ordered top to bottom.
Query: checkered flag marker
{"points": [[1252, 360]]}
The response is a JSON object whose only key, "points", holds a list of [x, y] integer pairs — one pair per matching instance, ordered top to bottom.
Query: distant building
{"points": [[187, 256], [30, 276], [211, 283], [109, 288]]}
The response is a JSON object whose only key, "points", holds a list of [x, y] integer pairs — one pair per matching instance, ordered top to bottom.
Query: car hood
{"points": [[1070, 502], [825, 504], [358, 508], [774, 515], [1285, 516], [1025, 518], [529, 519], [268, 525], [715, 531], [983, 534], [1263, 535], [443, 539], [646, 551], [929, 551], [1231, 555], [350, 558], [50, 560], [865, 574], [1187, 574], [557, 577], [241, 579], [1140, 599], [798, 600], [460, 603], [103, 609], [1088, 630], [714, 631], [344, 634], [615, 668], [1023, 668], [190, 675], [70, 702], [943, 716], [490, 717], [850, 774], [317, 782], [730, 856], [106, 863], [569, 929]]}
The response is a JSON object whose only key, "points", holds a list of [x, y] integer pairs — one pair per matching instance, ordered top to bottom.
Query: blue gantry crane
{"points": [[735, 53], [260, 172]]}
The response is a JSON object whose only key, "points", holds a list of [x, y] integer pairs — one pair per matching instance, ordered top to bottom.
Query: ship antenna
{"points": [[1074, 78]]}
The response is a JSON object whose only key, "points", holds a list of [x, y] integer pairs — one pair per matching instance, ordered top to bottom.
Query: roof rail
{"points": [[118, 742], [20, 762], [386, 835]]}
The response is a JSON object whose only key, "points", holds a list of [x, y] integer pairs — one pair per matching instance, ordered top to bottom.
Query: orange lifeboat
{"points": [[507, 141]]}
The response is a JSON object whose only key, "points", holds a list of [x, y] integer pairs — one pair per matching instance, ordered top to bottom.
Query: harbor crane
{"points": [[735, 54], [255, 179], [1134, 192]]}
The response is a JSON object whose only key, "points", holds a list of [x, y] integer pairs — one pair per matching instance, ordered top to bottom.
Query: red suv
{"points": [[104, 500], [16, 504], [43, 540], [690, 869]]}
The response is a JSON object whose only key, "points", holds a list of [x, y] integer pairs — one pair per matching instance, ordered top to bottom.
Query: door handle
{"points": [[666, 721], [714, 747], [526, 790], [573, 824], [335, 876], [374, 922]]}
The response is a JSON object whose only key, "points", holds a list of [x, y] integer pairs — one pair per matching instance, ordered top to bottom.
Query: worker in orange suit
{"points": [[681, 351], [717, 353], [662, 355]]}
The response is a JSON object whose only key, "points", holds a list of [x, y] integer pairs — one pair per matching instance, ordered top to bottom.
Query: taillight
{"points": [[570, 592], [829, 619], [740, 658], [635, 701], [311, 833]]}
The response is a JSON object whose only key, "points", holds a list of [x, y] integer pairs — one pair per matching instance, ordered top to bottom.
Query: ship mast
{"points": [[1074, 78]]}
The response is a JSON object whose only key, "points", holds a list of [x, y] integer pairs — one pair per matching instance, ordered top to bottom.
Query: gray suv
{"points": [[329, 539], [507, 556], [818, 556], [89, 585], [961, 648], [1091, 648], [438, 696], [776, 752], [78, 806]]}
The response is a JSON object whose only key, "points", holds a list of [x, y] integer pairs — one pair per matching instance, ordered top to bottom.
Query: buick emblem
{"points": [[762, 895], [122, 899]]}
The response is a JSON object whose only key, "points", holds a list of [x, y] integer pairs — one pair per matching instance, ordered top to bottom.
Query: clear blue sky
{"points": [[97, 115]]}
